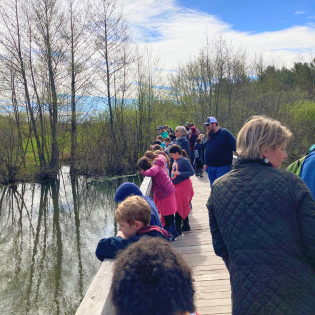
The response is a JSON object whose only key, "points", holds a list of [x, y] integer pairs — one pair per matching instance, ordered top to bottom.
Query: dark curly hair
{"points": [[150, 277]]}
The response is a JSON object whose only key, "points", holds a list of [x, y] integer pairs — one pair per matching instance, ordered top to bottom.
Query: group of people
{"points": [[170, 170], [261, 219]]}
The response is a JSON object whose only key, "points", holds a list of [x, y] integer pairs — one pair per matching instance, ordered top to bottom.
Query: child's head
{"points": [[201, 136], [159, 138], [167, 140], [198, 140], [157, 142], [157, 147], [176, 152], [150, 155], [144, 163], [132, 214], [150, 277]]}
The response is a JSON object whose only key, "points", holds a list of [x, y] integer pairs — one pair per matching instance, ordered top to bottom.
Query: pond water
{"points": [[48, 236]]}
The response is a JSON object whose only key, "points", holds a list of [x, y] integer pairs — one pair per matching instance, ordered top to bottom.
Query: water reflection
{"points": [[48, 235]]}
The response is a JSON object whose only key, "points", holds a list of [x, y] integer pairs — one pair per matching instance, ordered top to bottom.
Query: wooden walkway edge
{"points": [[211, 278]]}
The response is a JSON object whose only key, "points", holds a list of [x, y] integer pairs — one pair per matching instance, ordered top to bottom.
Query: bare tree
{"points": [[48, 22], [111, 36], [13, 40], [80, 63]]}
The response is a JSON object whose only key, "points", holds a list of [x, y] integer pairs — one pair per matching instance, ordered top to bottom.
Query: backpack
{"points": [[296, 166]]}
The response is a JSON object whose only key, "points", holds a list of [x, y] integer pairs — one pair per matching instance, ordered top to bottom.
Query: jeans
{"points": [[215, 172]]}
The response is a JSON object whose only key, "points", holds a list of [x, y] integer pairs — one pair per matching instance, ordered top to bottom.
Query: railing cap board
{"points": [[97, 299]]}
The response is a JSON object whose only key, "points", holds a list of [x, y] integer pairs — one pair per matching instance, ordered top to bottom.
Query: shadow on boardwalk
{"points": [[212, 284]]}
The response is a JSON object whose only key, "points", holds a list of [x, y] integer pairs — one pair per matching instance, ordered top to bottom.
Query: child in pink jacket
{"points": [[163, 189]]}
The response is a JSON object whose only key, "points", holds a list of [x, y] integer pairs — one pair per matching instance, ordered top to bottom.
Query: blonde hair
{"points": [[182, 130], [258, 133], [201, 136], [150, 155], [132, 209]]}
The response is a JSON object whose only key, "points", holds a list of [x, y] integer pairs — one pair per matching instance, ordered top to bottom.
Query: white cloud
{"points": [[299, 12], [311, 17], [176, 33]]}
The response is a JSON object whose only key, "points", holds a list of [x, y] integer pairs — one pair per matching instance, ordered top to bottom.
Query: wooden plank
{"points": [[146, 186], [97, 293]]}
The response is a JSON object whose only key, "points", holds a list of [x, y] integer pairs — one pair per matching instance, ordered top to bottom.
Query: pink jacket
{"points": [[162, 185]]}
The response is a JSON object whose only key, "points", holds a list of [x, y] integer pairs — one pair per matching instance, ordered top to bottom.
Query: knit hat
{"points": [[125, 190]]}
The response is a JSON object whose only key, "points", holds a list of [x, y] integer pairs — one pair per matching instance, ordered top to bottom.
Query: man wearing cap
{"points": [[162, 132], [217, 150]]}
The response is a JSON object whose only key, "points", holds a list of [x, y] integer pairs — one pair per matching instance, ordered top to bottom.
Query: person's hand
{"points": [[205, 167], [177, 173], [121, 234]]}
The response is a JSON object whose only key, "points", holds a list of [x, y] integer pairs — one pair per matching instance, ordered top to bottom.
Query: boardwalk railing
{"points": [[97, 300]]}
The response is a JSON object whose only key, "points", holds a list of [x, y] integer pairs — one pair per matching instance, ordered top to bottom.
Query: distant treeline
{"points": [[54, 55]]}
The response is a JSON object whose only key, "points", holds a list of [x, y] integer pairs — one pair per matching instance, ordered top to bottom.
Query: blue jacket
{"points": [[184, 144], [308, 172], [127, 189], [108, 247]]}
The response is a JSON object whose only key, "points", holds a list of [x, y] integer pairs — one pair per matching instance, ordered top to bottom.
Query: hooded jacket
{"points": [[192, 138], [162, 185], [129, 189], [262, 223], [109, 247]]}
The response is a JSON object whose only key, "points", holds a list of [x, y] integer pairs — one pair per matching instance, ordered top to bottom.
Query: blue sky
{"points": [[257, 15], [282, 30]]}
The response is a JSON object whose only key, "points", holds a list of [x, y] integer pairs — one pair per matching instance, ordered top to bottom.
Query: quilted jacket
{"points": [[162, 185], [262, 222]]}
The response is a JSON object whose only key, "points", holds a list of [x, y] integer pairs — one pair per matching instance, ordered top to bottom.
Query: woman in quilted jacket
{"points": [[163, 189], [262, 221]]}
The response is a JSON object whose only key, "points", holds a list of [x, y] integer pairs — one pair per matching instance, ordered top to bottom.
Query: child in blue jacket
{"points": [[128, 189], [133, 216]]}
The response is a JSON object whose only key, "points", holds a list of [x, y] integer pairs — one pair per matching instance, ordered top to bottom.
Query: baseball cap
{"points": [[210, 120], [187, 124], [159, 128]]}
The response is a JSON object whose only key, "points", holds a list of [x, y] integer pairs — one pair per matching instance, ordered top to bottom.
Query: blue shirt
{"points": [[219, 150], [185, 170], [308, 172]]}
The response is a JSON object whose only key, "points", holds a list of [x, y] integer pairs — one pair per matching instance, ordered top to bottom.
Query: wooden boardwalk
{"points": [[211, 278]]}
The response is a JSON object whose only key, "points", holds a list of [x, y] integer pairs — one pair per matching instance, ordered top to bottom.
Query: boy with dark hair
{"points": [[133, 216], [150, 277]]}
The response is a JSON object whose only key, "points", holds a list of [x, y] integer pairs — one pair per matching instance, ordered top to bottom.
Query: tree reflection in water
{"points": [[48, 235]]}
